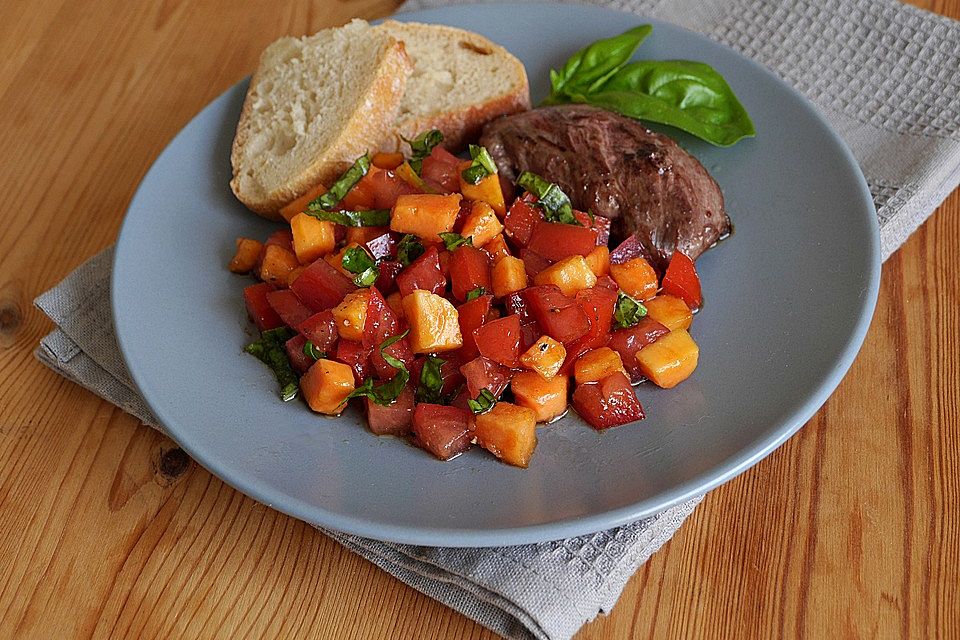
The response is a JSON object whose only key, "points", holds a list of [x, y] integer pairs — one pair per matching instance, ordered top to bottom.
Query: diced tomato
{"points": [[441, 170], [386, 187], [507, 187], [361, 195], [521, 218], [599, 224], [363, 235], [282, 238], [556, 241], [383, 245], [628, 250], [443, 257], [533, 262], [469, 269], [423, 273], [387, 280], [681, 280], [606, 282], [320, 286], [517, 304], [598, 305], [258, 307], [288, 307], [472, 315], [557, 315], [381, 324], [321, 330], [529, 334], [500, 341], [628, 341], [356, 356], [298, 359], [481, 374], [607, 403], [395, 419], [443, 431]]}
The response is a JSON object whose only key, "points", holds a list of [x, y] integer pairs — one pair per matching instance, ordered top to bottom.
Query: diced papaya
{"points": [[388, 161], [406, 173], [487, 190], [300, 204], [425, 215], [481, 224], [363, 235], [312, 238], [496, 248], [245, 259], [335, 260], [599, 261], [277, 264], [509, 275], [571, 275], [636, 277], [395, 302], [670, 311], [350, 316], [434, 322], [545, 356], [670, 359], [597, 364], [326, 385], [547, 397], [508, 432]]}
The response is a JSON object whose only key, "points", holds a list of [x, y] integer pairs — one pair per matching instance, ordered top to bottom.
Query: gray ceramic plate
{"points": [[789, 298]]}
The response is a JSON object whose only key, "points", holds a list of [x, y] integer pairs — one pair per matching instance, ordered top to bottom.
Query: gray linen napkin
{"points": [[886, 75]]}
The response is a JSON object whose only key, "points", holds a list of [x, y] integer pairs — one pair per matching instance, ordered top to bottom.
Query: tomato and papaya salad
{"points": [[459, 308]]}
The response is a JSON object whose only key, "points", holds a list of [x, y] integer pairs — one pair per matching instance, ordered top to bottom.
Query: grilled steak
{"points": [[619, 169]]}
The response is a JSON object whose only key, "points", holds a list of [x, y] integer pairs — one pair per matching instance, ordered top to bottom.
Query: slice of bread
{"points": [[460, 82], [314, 105]]}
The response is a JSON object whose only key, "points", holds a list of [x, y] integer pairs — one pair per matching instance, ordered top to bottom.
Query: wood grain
{"points": [[851, 529]]}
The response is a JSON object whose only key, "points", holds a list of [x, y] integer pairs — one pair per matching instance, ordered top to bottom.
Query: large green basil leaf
{"points": [[589, 68]]}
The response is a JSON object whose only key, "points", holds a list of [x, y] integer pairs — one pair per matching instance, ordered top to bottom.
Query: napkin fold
{"points": [[886, 75]]}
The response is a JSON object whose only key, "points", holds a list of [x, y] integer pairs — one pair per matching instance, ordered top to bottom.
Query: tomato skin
{"points": [[442, 169], [386, 187], [521, 218], [599, 224], [556, 241], [533, 262], [469, 269], [423, 273], [387, 280], [681, 280], [320, 286], [516, 304], [598, 304], [258, 306], [288, 307], [472, 315], [557, 315], [381, 324], [321, 330], [529, 334], [500, 340], [628, 341], [356, 356], [298, 359], [481, 373], [607, 403], [395, 419], [443, 431]]}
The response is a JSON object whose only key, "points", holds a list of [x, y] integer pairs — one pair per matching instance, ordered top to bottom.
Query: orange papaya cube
{"points": [[388, 161], [406, 173], [487, 190], [300, 204], [425, 215], [481, 224], [363, 235], [312, 238], [496, 248], [245, 259], [335, 260], [599, 261], [277, 264], [509, 275], [571, 275], [636, 277], [395, 302], [670, 311], [350, 316], [434, 322], [545, 356], [670, 359], [597, 364], [326, 385], [547, 397], [508, 432]]}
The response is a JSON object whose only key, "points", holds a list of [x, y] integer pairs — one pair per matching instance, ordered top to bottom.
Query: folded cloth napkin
{"points": [[886, 75]]}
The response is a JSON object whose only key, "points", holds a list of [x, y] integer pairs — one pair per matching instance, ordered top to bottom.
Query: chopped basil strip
{"points": [[421, 146], [481, 167], [339, 189], [554, 202], [369, 218], [453, 240], [409, 249], [357, 260], [367, 278], [473, 294], [628, 311], [270, 350], [311, 350], [431, 381], [386, 393], [483, 403]]}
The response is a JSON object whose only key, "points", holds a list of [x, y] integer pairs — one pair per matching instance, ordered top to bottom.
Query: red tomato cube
{"points": [[441, 170], [385, 187], [521, 218], [599, 224], [556, 241], [382, 246], [628, 250], [533, 262], [469, 269], [423, 273], [387, 280], [681, 280], [320, 286], [598, 304], [258, 307], [288, 307], [472, 315], [557, 315], [382, 323], [321, 330], [500, 341], [628, 341], [356, 356], [298, 359], [481, 374], [607, 403], [395, 419], [443, 431]]}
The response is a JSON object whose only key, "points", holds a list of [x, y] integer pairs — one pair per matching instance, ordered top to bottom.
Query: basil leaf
{"points": [[590, 67], [690, 96], [421, 146], [481, 167], [339, 189], [550, 197], [369, 218], [453, 240], [409, 249], [357, 260], [367, 277], [473, 294], [628, 311], [270, 350], [310, 350], [431, 381], [386, 393], [483, 403]]}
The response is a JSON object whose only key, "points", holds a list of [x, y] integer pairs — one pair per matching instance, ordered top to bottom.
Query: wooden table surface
{"points": [[852, 528]]}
